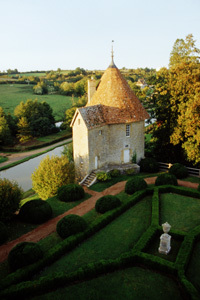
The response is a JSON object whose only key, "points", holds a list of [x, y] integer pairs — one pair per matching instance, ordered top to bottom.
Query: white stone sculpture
{"points": [[165, 240]]}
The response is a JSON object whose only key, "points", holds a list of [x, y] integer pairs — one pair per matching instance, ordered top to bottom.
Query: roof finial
{"points": [[112, 65]]}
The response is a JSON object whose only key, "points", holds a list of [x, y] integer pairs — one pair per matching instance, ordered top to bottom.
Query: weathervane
{"points": [[112, 52]]}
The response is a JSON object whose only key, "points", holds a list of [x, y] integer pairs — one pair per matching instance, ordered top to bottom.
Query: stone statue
{"points": [[165, 240]]}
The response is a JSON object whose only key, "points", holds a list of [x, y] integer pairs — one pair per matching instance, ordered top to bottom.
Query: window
{"points": [[127, 130], [100, 132]]}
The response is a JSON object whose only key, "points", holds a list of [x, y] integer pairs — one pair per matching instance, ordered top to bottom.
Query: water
{"points": [[22, 172]]}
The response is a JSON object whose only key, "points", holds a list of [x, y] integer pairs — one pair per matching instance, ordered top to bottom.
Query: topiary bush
{"points": [[149, 164], [179, 170], [114, 173], [103, 176], [166, 179], [135, 184], [70, 192], [10, 196], [107, 203], [35, 211], [70, 225], [3, 233], [24, 254]]}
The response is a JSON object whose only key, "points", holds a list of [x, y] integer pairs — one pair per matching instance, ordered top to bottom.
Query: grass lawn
{"points": [[13, 94], [181, 212], [117, 237], [129, 284]]}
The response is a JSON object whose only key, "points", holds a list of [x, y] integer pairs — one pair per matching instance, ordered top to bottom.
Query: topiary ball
{"points": [[149, 164], [179, 170], [166, 179], [135, 184], [70, 192], [106, 203], [35, 211], [70, 225], [3, 233], [24, 254]]}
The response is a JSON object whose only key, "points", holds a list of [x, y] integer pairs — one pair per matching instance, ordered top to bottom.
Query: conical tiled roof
{"points": [[119, 103]]}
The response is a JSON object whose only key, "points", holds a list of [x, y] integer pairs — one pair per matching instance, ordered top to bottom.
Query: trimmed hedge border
{"points": [[132, 258]]}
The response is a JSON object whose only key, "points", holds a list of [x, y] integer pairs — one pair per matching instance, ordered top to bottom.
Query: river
{"points": [[22, 172]]}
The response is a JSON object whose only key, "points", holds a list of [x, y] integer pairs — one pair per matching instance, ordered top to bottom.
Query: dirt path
{"points": [[14, 157], [49, 227]]}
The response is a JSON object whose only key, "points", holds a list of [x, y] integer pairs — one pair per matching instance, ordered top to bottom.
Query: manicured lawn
{"points": [[13, 94], [181, 212], [116, 238], [127, 284]]}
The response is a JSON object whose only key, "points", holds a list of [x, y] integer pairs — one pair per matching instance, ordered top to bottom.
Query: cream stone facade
{"points": [[109, 130]]}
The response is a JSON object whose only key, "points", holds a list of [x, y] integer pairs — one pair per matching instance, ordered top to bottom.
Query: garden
{"points": [[114, 247]]}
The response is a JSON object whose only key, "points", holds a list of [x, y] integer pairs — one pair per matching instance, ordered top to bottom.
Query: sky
{"points": [[66, 34]]}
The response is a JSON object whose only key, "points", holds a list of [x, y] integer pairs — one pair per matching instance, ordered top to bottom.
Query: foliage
{"points": [[40, 88], [177, 109], [69, 114], [38, 118], [5, 132], [24, 132], [68, 151], [134, 158], [149, 164], [179, 170], [130, 172], [114, 173], [51, 174], [103, 176], [165, 179], [135, 184], [198, 188], [70, 192], [10, 196], [107, 203], [35, 211], [70, 225], [3, 233], [24, 254]]}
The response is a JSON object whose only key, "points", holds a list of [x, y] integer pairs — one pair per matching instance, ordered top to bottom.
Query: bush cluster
{"points": [[149, 164], [130, 171], [179, 171], [114, 173], [103, 176], [166, 179], [135, 184], [198, 188], [70, 192], [10, 196], [107, 203], [35, 211], [69, 225], [3, 233], [24, 254]]}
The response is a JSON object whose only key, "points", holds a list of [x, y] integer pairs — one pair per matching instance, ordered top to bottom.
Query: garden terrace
{"points": [[118, 252]]}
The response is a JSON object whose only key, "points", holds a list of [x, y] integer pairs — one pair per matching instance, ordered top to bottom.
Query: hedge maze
{"points": [[144, 253]]}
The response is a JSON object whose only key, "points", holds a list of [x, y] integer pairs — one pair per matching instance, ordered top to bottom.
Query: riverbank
{"points": [[20, 157]]}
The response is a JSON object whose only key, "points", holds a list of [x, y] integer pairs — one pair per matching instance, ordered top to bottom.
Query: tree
{"points": [[40, 88], [69, 114], [38, 115], [23, 130], [5, 133], [51, 174]]}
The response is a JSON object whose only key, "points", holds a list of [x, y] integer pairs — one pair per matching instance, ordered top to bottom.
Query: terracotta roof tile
{"points": [[119, 103]]}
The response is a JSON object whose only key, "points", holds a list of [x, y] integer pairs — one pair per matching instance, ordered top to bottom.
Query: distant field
{"points": [[33, 74], [12, 94]]}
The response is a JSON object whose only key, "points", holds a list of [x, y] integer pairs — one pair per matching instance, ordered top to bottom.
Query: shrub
{"points": [[149, 164], [179, 171], [130, 172], [114, 173], [51, 174], [103, 176], [165, 179], [135, 184], [198, 188], [70, 192], [10, 196], [106, 203], [35, 211], [70, 225], [3, 233], [24, 254]]}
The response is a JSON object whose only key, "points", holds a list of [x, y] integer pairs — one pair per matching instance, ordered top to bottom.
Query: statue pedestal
{"points": [[165, 240]]}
